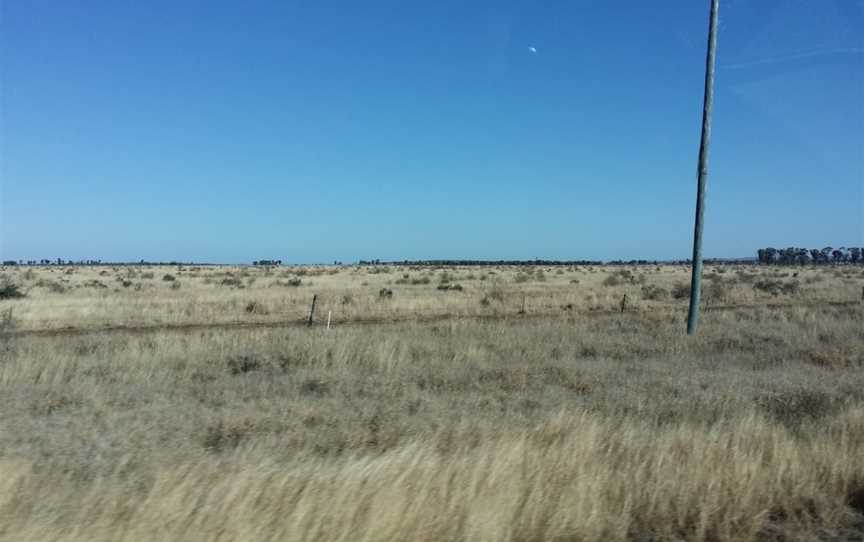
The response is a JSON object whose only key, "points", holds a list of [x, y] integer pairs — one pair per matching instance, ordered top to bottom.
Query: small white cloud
{"points": [[533, 50]]}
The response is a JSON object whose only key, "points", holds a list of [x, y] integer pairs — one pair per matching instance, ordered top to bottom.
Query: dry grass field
{"points": [[470, 403]]}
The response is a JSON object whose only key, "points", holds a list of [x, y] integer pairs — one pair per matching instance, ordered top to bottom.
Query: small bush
{"points": [[147, 275], [622, 276], [521, 277], [746, 277], [168, 278], [612, 280], [233, 282], [127, 283], [290, 283], [95, 284], [51, 286], [768, 286], [450, 287], [777, 287], [791, 288], [10, 290], [681, 290], [716, 290], [385, 293], [655, 293], [495, 294], [347, 299], [254, 307], [7, 321], [243, 364], [314, 386], [793, 407]]}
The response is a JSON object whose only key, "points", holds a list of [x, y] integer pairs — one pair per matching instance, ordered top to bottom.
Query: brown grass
{"points": [[576, 424]]}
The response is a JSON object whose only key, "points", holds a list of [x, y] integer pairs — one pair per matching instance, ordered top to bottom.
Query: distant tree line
{"points": [[804, 256], [58, 261], [61, 261], [267, 262], [480, 262], [551, 263]]}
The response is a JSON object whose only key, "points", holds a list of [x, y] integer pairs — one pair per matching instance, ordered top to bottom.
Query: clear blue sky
{"points": [[311, 131]]}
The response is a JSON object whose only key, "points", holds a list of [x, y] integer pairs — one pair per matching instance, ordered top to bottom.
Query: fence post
{"points": [[624, 303], [312, 310], [329, 314]]}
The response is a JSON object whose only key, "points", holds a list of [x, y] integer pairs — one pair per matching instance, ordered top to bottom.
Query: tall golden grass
{"points": [[565, 424]]}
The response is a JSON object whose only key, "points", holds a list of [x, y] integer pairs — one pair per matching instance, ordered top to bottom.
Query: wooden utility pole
{"points": [[708, 102]]}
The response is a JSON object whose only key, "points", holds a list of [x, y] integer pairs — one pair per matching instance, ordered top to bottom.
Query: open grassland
{"points": [[132, 408]]}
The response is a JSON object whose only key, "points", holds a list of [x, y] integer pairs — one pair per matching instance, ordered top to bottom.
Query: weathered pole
{"points": [[708, 102]]}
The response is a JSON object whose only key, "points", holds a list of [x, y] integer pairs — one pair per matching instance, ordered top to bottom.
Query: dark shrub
{"points": [[168, 278], [612, 280], [233, 282], [290, 283], [95, 284], [448, 287], [777, 287], [791, 288], [9, 290], [681, 290], [385, 293], [654, 293], [254, 307], [243, 364], [314, 386], [793, 407]]}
